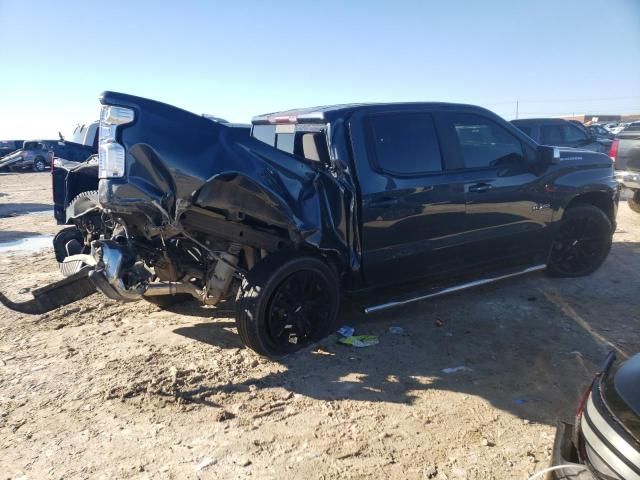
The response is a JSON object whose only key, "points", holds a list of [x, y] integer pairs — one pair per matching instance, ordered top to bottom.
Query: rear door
{"points": [[412, 207], [506, 208]]}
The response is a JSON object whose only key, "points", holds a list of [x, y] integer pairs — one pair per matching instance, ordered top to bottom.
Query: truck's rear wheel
{"points": [[634, 201], [582, 242], [286, 302]]}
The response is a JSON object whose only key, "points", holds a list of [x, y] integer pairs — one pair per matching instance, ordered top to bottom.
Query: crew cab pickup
{"points": [[309, 204]]}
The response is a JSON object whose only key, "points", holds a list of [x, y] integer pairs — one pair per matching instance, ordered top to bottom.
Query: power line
{"points": [[558, 100]]}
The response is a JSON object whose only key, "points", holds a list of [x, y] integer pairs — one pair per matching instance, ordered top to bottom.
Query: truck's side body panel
{"points": [[396, 226]]}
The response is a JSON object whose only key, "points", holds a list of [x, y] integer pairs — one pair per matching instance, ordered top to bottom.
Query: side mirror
{"points": [[548, 155]]}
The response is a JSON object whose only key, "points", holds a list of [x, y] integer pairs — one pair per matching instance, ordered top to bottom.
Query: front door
{"points": [[412, 208], [506, 208]]}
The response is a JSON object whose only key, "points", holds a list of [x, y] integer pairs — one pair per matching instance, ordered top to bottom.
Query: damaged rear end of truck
{"points": [[198, 208]]}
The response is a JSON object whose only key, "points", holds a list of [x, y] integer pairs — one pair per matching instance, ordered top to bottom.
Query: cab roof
{"points": [[327, 113]]}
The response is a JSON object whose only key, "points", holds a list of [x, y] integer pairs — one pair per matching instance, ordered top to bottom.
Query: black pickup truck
{"points": [[309, 204]]}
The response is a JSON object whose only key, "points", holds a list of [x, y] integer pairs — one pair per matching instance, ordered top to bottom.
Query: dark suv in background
{"points": [[561, 133], [9, 146]]}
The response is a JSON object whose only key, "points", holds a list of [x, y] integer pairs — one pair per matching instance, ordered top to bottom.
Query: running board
{"points": [[437, 292], [55, 295]]}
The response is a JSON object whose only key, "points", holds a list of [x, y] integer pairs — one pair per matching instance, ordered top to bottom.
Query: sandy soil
{"points": [[102, 390]]}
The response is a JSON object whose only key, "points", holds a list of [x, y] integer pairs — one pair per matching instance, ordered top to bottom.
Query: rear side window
{"points": [[265, 133], [307, 141], [405, 143], [484, 143]]}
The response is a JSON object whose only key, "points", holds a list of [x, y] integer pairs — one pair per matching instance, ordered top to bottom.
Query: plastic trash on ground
{"points": [[346, 331], [360, 340], [461, 368]]}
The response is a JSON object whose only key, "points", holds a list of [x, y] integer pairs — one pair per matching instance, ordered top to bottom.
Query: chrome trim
{"points": [[112, 259], [445, 291], [613, 437], [610, 458]]}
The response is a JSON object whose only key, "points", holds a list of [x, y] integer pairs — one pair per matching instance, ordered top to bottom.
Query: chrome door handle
{"points": [[479, 188]]}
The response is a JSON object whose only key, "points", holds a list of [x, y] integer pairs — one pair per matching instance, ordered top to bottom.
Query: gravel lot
{"points": [[103, 390]]}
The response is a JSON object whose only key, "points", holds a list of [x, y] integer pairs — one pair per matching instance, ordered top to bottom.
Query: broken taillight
{"points": [[111, 155]]}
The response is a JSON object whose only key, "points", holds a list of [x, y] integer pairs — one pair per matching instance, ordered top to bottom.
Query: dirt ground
{"points": [[105, 390]]}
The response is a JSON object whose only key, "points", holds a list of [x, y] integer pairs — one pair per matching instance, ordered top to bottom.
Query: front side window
{"points": [[405, 143], [484, 143]]}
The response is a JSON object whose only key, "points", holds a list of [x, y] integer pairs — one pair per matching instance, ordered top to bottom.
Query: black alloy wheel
{"points": [[582, 242], [287, 301], [300, 308]]}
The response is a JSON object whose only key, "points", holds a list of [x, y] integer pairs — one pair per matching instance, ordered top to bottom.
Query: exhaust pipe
{"points": [[109, 279]]}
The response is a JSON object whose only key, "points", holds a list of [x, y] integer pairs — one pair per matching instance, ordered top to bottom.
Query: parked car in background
{"points": [[618, 128], [599, 131], [560, 133], [604, 141], [9, 146], [625, 152], [37, 154], [604, 442]]}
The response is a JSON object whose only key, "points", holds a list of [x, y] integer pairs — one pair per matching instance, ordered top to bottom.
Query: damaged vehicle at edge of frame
{"points": [[308, 204]]}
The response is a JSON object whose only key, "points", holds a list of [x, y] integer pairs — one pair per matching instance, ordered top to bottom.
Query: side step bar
{"points": [[437, 292], [54, 295]]}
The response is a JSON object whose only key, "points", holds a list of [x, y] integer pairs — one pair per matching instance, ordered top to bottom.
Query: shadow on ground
{"points": [[17, 209], [13, 236], [529, 346]]}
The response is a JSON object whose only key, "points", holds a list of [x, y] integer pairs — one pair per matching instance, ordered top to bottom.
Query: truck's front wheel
{"points": [[634, 201], [582, 242], [286, 302]]}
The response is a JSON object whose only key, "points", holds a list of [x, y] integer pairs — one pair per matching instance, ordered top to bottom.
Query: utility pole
{"points": [[517, 109]]}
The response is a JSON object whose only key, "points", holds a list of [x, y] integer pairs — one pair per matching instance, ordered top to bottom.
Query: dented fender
{"points": [[176, 160]]}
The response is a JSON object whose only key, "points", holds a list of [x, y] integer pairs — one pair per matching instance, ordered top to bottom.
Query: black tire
{"points": [[39, 165], [634, 201], [62, 238], [581, 243], [168, 301], [287, 301]]}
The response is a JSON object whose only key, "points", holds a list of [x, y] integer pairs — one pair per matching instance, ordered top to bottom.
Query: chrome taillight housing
{"points": [[111, 155]]}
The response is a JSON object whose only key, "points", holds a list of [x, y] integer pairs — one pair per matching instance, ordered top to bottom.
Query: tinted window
{"points": [[526, 130], [563, 135], [405, 143], [484, 143]]}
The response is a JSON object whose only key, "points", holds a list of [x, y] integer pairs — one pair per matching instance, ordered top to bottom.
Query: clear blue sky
{"points": [[237, 59]]}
